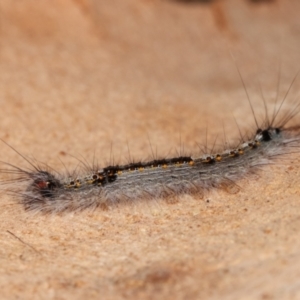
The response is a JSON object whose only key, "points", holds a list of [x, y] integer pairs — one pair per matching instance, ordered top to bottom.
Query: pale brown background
{"points": [[79, 76]]}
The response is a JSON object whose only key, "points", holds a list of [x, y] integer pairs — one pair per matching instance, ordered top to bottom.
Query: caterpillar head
{"points": [[44, 185]]}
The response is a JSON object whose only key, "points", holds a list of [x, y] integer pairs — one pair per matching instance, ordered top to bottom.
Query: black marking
{"points": [[266, 136]]}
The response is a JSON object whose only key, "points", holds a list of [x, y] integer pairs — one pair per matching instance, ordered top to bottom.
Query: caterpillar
{"points": [[40, 188]]}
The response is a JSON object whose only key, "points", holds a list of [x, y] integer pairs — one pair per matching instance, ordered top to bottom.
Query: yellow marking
{"points": [[241, 151], [218, 157], [191, 163], [164, 166], [141, 169], [119, 172], [78, 183]]}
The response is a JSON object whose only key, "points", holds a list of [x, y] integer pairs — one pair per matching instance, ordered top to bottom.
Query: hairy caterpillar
{"points": [[42, 189]]}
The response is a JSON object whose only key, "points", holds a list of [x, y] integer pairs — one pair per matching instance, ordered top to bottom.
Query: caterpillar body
{"points": [[42, 189]]}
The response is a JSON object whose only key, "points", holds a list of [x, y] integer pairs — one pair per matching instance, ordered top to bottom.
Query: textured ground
{"points": [[77, 76]]}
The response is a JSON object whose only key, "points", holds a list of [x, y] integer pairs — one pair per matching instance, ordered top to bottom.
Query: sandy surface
{"points": [[79, 76]]}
